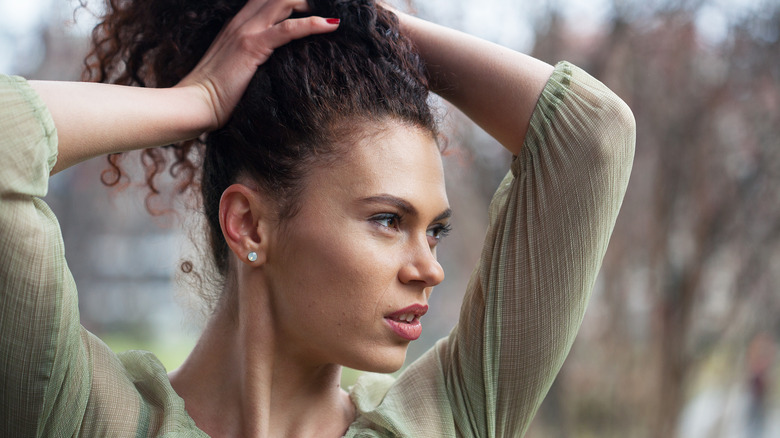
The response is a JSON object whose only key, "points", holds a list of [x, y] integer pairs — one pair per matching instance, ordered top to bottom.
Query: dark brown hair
{"points": [[308, 93]]}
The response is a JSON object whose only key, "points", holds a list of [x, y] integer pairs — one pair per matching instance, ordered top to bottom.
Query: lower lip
{"points": [[407, 330]]}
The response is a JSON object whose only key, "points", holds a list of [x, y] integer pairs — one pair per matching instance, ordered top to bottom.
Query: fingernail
{"points": [[333, 21]]}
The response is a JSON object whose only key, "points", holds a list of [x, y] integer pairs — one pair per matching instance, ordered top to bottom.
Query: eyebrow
{"points": [[404, 206]]}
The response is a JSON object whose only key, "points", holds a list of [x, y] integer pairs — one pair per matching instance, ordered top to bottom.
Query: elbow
{"points": [[624, 126], [614, 138]]}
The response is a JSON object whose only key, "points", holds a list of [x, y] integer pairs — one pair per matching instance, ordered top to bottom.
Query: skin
{"points": [[380, 210], [329, 309], [272, 370]]}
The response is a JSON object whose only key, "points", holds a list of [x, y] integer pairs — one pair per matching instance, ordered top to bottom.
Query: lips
{"points": [[406, 322]]}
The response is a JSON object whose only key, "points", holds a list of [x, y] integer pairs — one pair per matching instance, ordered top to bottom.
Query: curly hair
{"points": [[310, 93]]}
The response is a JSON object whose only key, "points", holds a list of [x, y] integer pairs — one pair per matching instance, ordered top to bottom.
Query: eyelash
{"points": [[387, 217], [440, 231]]}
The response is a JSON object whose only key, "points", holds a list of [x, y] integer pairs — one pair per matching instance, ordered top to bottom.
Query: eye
{"points": [[387, 220], [439, 231]]}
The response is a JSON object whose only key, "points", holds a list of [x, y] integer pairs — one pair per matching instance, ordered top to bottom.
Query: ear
{"points": [[245, 216]]}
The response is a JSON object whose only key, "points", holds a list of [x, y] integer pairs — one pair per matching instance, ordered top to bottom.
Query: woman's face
{"points": [[350, 274]]}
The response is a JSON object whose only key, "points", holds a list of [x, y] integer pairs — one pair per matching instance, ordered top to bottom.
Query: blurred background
{"points": [[681, 336]]}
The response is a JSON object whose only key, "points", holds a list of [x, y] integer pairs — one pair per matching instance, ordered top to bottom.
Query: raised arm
{"points": [[98, 119], [550, 224], [56, 379]]}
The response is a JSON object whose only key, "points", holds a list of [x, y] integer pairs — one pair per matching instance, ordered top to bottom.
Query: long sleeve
{"points": [[550, 223], [38, 312], [56, 378]]}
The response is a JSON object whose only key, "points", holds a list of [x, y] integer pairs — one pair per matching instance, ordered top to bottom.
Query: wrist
{"points": [[194, 108]]}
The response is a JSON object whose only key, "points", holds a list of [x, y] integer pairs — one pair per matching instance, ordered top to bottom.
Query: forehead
{"points": [[395, 159]]}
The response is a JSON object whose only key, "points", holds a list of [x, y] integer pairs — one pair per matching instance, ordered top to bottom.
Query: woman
{"points": [[323, 190]]}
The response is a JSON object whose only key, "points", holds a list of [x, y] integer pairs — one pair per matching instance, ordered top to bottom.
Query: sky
{"points": [[508, 22]]}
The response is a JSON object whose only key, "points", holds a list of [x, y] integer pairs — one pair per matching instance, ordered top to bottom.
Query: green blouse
{"points": [[550, 223]]}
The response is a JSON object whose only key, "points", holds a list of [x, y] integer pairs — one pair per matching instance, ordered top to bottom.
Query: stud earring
{"points": [[252, 256]]}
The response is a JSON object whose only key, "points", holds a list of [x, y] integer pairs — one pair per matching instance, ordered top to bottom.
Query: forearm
{"points": [[494, 86], [98, 119], [550, 224]]}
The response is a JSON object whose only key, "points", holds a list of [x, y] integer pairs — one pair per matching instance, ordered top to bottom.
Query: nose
{"points": [[422, 266]]}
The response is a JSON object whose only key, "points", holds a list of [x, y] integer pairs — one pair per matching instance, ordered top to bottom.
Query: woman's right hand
{"points": [[245, 43], [94, 119]]}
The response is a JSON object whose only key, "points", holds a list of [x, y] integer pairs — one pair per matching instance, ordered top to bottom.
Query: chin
{"points": [[381, 360], [387, 368]]}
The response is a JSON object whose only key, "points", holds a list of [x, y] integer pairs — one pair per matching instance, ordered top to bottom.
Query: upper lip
{"points": [[417, 309]]}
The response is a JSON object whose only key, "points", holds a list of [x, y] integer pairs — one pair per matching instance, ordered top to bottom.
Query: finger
{"points": [[301, 6], [283, 10], [247, 12], [269, 12], [293, 29]]}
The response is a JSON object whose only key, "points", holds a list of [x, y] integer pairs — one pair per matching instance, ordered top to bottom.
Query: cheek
{"points": [[343, 274]]}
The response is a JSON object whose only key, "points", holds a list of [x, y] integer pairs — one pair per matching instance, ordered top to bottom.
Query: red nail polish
{"points": [[333, 20]]}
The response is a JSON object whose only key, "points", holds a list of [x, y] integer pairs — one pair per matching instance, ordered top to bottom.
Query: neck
{"points": [[239, 382]]}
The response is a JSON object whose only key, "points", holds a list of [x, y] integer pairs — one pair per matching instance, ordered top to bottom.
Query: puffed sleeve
{"points": [[550, 223]]}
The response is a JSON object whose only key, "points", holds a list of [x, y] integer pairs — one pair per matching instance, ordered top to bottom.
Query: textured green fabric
{"points": [[550, 223]]}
